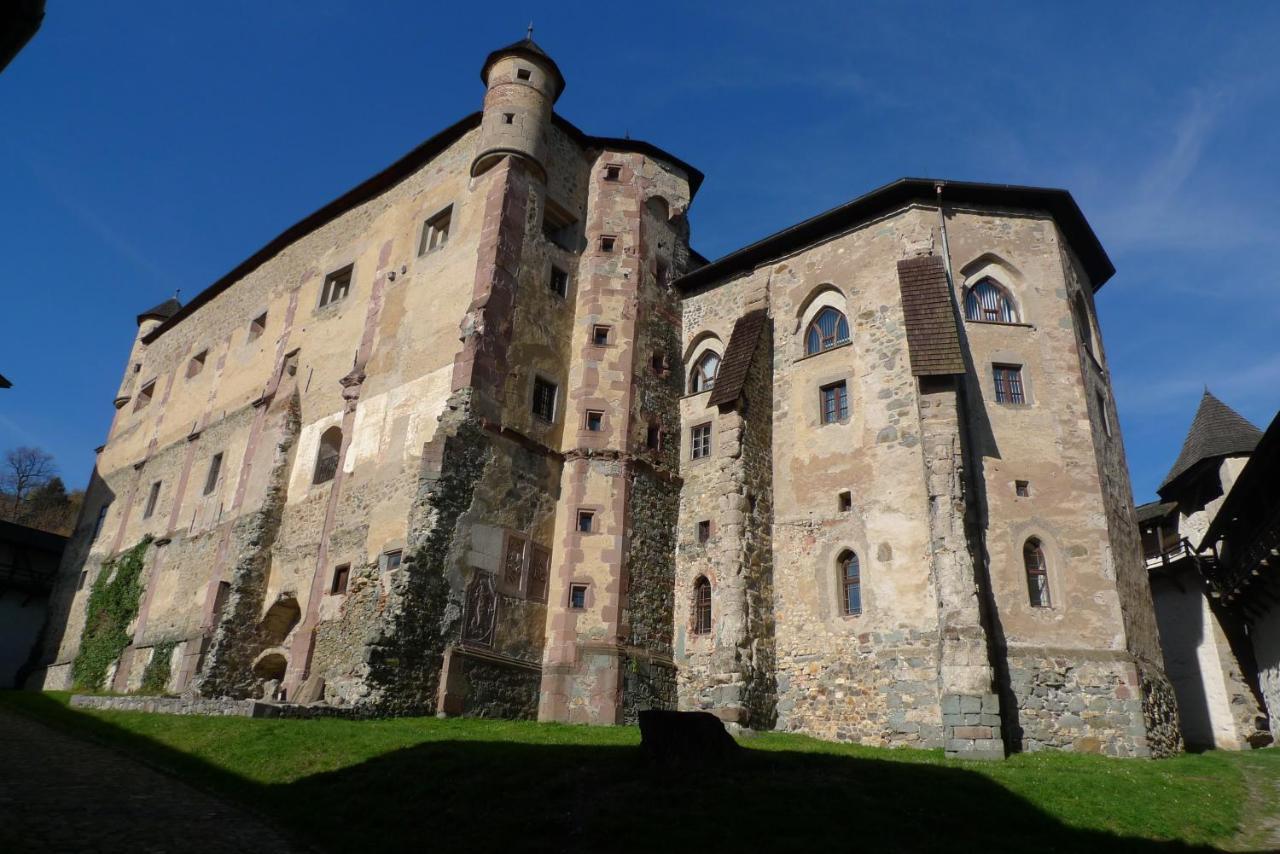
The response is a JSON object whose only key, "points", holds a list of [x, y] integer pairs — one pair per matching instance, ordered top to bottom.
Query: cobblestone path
{"points": [[58, 793]]}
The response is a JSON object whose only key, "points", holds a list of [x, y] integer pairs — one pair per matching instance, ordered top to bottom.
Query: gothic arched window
{"points": [[989, 302], [826, 330], [704, 372], [327, 455], [1037, 573], [850, 583], [702, 606]]}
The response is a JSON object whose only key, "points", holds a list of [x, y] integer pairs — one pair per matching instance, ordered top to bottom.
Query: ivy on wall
{"points": [[113, 604], [156, 676]]}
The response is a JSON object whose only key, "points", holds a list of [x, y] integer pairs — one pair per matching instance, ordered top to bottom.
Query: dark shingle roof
{"points": [[524, 47], [163, 311], [932, 336], [737, 357], [4, 383], [1216, 431], [1154, 510]]}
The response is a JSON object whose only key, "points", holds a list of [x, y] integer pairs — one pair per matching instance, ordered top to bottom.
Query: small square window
{"points": [[523, 74], [508, 118], [612, 173], [559, 226], [435, 231], [607, 242], [559, 282], [336, 287], [257, 326], [600, 336], [659, 364], [196, 365], [137, 366], [1008, 383], [145, 394], [544, 399], [835, 402], [595, 421], [653, 438], [700, 441], [211, 479], [1022, 488], [152, 499], [845, 501], [102, 518], [586, 521], [704, 530], [391, 560], [340, 577], [80, 582], [577, 596]]}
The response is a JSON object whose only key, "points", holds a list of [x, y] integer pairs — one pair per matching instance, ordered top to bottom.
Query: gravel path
{"points": [[58, 793]]}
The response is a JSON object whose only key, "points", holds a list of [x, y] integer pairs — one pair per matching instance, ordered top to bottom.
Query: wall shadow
{"points": [[487, 796]]}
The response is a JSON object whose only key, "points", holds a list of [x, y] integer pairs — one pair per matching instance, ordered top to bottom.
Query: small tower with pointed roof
{"points": [[522, 84], [147, 322]]}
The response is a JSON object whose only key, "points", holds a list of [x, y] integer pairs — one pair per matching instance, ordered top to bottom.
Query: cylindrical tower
{"points": [[522, 83], [147, 321]]}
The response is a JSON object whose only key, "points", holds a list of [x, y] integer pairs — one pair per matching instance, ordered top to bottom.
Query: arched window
{"points": [[988, 301], [1083, 329], [827, 330], [704, 372], [327, 455], [1037, 574], [850, 583], [702, 606]]}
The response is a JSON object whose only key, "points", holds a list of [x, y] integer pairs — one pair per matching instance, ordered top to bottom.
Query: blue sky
{"points": [[147, 147]]}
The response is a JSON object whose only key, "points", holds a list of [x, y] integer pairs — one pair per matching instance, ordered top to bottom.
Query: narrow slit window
{"points": [[435, 231], [559, 282], [336, 287], [196, 365], [1008, 383], [544, 399], [834, 402], [1103, 414], [595, 420], [653, 437], [700, 441], [211, 479], [153, 498], [586, 521], [1037, 573], [341, 575], [80, 582], [850, 583], [702, 606]]}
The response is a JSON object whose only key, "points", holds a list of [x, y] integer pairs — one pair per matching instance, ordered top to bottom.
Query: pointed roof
{"points": [[530, 49], [163, 311], [1216, 431]]}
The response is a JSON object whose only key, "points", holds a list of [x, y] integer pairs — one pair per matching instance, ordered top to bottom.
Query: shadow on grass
{"points": [[488, 796]]}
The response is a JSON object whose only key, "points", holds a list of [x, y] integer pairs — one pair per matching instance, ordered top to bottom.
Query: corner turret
{"points": [[522, 83], [147, 322]]}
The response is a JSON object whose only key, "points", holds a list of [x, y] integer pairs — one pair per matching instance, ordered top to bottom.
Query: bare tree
{"points": [[25, 469]]}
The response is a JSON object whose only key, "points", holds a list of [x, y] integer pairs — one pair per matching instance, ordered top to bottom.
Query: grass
{"points": [[414, 783]]}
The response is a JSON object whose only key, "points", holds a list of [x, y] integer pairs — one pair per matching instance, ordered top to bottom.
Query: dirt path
{"points": [[58, 793]]}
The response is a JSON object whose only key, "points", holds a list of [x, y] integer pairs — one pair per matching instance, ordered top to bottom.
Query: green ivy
{"points": [[113, 603], [156, 676]]}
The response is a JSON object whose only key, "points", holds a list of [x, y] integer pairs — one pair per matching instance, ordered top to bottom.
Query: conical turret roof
{"points": [[526, 47], [163, 311], [1216, 431]]}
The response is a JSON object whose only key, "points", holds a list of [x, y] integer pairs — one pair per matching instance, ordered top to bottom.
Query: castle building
{"points": [[484, 436]]}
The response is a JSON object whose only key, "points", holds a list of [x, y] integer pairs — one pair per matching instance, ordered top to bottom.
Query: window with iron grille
{"points": [[990, 303], [826, 330], [703, 376], [1008, 381], [544, 399], [835, 402], [700, 441], [1037, 573], [850, 583], [702, 606]]}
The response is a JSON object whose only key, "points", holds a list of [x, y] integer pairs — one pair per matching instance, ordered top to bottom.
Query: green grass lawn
{"points": [[462, 784]]}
